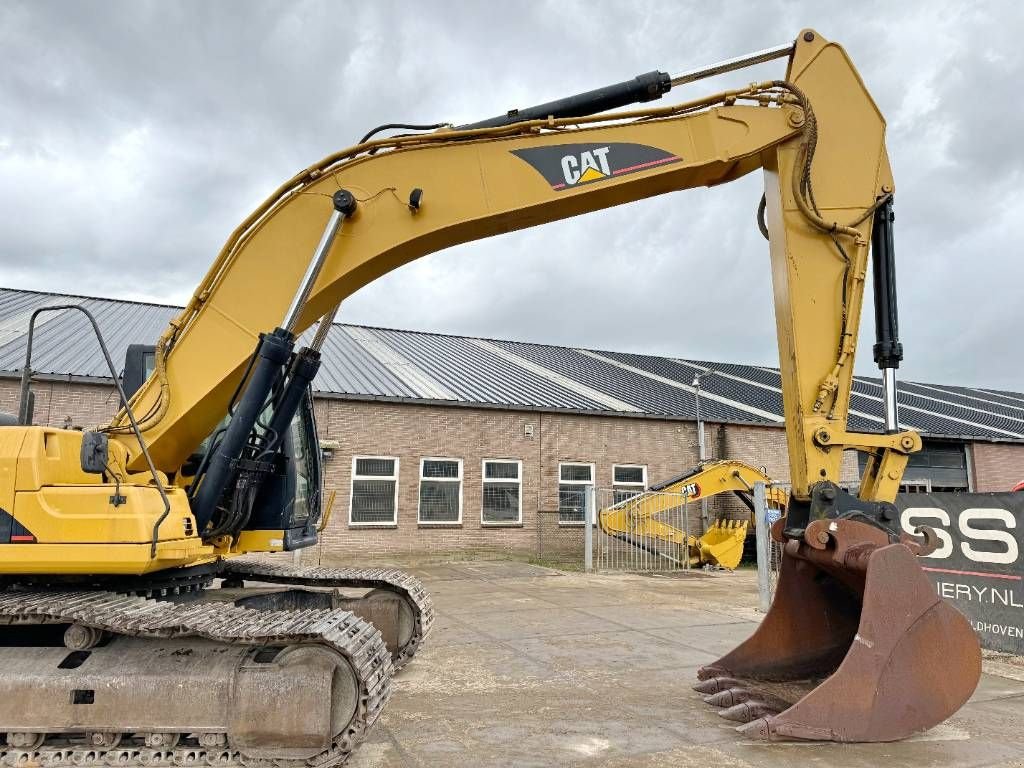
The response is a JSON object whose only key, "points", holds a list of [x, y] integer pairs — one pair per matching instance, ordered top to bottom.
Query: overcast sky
{"points": [[134, 136]]}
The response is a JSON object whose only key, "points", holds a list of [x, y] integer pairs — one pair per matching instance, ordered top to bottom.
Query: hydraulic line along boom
{"points": [[641, 89]]}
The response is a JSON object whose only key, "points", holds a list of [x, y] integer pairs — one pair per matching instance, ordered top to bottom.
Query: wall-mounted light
{"points": [[328, 447]]}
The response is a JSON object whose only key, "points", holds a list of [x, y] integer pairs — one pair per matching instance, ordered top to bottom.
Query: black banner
{"points": [[978, 566]]}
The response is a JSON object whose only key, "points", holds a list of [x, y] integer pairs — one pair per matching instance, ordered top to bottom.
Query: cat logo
{"points": [[591, 165], [567, 166], [691, 490]]}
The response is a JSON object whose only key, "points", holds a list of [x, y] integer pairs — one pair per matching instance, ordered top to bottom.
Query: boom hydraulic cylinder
{"points": [[888, 350]]}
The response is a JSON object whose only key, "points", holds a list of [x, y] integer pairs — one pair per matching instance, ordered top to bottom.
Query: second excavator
{"points": [[639, 520], [103, 660]]}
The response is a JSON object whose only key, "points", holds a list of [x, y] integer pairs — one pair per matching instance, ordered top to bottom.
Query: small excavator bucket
{"points": [[722, 544], [857, 646]]}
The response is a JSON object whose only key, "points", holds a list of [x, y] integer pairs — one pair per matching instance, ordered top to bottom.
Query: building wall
{"points": [[63, 403], [411, 432], [997, 466]]}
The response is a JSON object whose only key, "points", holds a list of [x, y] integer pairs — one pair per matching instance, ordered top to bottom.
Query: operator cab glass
{"points": [[289, 498]]}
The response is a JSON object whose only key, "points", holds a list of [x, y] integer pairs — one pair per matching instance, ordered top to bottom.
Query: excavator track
{"points": [[393, 580], [178, 629]]}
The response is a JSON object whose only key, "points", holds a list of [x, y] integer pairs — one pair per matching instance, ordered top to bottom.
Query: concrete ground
{"points": [[528, 666]]}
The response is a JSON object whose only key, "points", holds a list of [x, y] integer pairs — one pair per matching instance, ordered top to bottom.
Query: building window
{"points": [[940, 466], [628, 480], [574, 482], [915, 486], [440, 491], [502, 492], [374, 497]]}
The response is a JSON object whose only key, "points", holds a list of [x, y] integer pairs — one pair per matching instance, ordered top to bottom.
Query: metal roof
{"points": [[378, 363]]}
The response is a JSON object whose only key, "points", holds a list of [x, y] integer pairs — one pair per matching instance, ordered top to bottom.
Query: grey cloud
{"points": [[135, 135]]}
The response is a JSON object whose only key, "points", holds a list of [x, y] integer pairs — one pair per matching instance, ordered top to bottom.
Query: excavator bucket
{"points": [[722, 544], [857, 646]]}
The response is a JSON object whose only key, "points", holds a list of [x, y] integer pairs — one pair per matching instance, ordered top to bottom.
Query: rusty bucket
{"points": [[857, 645]]}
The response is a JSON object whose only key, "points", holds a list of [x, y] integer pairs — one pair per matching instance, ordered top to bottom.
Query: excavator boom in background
{"points": [[206, 461], [637, 520]]}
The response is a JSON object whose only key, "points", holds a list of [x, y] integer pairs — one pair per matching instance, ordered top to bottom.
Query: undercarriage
{"points": [[290, 669]]}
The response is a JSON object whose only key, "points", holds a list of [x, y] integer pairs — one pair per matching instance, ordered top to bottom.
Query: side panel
{"points": [[11, 440], [50, 455], [87, 514], [73, 522], [97, 559]]}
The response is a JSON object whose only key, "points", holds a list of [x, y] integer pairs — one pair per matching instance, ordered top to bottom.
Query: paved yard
{"points": [[529, 666]]}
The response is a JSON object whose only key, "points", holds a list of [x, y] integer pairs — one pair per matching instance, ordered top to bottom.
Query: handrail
{"points": [[23, 407]]}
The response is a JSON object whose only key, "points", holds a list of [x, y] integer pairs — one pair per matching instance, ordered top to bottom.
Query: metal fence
{"points": [[650, 531], [643, 532], [769, 552]]}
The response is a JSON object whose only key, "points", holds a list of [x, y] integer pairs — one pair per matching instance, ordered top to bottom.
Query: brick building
{"points": [[443, 443]]}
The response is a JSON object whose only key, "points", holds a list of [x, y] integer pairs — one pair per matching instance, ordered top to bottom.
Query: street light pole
{"points": [[701, 446]]}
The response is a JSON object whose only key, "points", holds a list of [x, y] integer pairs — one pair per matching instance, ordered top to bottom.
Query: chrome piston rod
{"points": [[730, 65], [344, 206], [892, 421]]}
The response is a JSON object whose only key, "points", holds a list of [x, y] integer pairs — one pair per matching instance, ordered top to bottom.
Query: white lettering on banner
{"points": [[601, 153], [570, 166], [933, 517], [939, 520], [1005, 537], [969, 593], [997, 629]]}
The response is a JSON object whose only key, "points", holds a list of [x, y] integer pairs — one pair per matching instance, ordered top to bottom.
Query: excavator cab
{"points": [[290, 499]]}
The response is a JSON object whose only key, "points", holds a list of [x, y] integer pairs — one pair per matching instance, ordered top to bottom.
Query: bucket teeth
{"points": [[866, 636], [716, 684], [728, 697], [747, 711], [738, 713], [756, 729]]}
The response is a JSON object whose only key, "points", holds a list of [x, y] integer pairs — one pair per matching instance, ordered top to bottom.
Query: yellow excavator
{"points": [[638, 521], [115, 646]]}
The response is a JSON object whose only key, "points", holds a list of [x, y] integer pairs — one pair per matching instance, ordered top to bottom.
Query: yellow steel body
{"points": [[475, 187], [77, 527], [722, 544]]}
